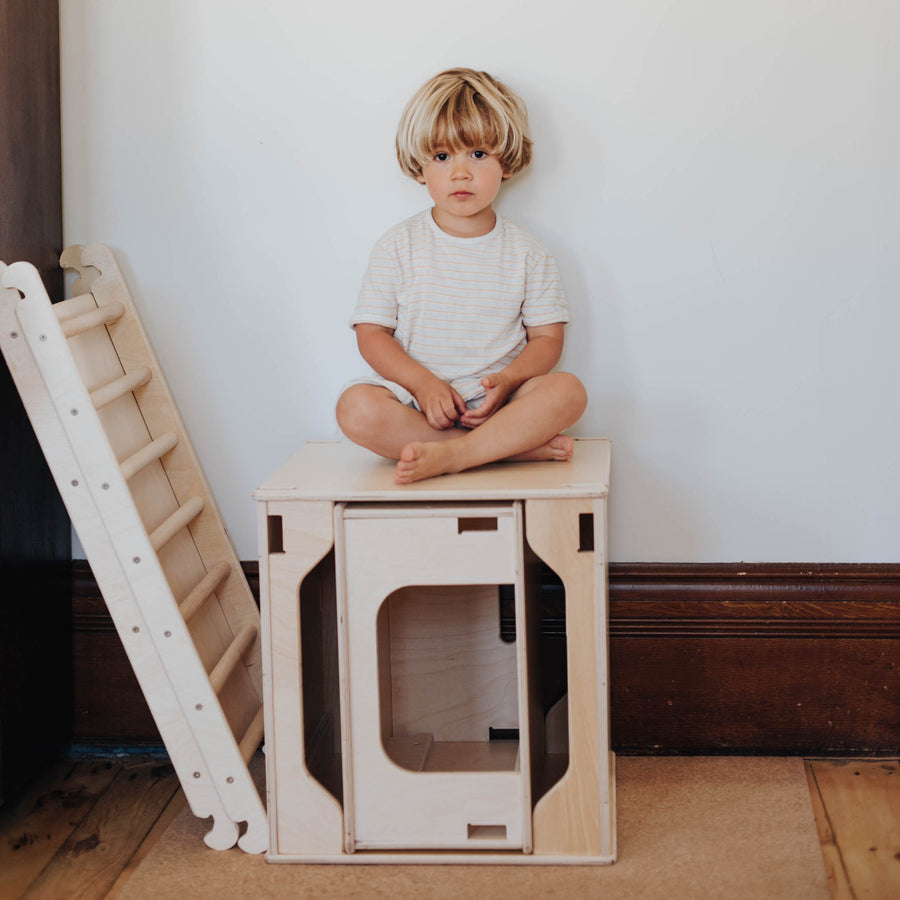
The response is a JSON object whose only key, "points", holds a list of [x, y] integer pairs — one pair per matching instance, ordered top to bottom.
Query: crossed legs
{"points": [[527, 427]]}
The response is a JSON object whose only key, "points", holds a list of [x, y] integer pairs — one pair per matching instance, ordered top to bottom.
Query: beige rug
{"points": [[728, 828]]}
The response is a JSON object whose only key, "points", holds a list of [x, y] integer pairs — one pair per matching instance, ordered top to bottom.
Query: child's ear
{"points": [[507, 175], [420, 178]]}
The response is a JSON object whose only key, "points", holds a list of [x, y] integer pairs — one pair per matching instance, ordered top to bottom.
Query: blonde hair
{"points": [[464, 108]]}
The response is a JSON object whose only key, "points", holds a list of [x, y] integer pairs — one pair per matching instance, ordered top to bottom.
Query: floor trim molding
{"points": [[788, 658]]}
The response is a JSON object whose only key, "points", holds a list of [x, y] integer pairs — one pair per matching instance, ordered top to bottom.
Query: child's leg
{"points": [[374, 418], [527, 427]]}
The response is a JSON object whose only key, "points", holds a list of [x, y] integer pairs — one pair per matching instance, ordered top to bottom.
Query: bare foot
{"points": [[560, 448], [424, 460]]}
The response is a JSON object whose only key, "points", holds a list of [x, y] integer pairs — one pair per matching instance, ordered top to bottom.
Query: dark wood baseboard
{"points": [[704, 658], [794, 659]]}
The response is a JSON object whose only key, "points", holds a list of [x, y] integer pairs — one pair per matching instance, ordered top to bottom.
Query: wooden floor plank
{"points": [[862, 802], [168, 815], [82, 829], [33, 830], [97, 851], [838, 881]]}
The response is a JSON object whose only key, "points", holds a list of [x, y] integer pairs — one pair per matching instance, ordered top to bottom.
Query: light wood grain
{"points": [[342, 472], [439, 634], [423, 674], [450, 675], [861, 801], [577, 815], [304, 817], [838, 882]]}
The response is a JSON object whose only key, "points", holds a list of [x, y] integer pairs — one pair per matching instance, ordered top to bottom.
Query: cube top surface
{"points": [[343, 472]]}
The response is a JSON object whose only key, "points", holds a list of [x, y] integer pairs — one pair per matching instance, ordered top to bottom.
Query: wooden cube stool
{"points": [[400, 726]]}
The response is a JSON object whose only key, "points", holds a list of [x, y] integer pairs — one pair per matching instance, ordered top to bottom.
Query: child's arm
{"points": [[540, 355], [440, 403]]}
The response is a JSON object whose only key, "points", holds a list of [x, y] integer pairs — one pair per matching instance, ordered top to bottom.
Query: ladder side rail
{"points": [[103, 479]]}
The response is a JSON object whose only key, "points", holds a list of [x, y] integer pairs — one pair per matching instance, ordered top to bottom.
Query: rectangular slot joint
{"points": [[476, 523], [275, 529], [585, 532], [503, 734], [486, 832]]}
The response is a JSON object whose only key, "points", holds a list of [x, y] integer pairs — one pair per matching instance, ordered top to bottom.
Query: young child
{"points": [[461, 313]]}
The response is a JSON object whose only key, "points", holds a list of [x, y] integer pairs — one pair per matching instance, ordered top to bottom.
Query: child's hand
{"points": [[497, 391], [440, 403]]}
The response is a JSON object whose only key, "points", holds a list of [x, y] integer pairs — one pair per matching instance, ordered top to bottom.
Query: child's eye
{"points": [[479, 154], [441, 157]]}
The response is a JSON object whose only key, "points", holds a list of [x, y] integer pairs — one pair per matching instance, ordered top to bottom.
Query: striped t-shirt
{"points": [[459, 306]]}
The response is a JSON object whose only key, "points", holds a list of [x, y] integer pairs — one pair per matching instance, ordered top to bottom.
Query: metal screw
{"points": [[14, 334], [43, 337], [74, 412], [74, 482], [105, 486], [136, 560], [135, 629], [167, 634], [199, 706], [196, 774], [230, 780]]}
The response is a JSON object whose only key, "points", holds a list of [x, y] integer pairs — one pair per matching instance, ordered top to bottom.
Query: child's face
{"points": [[463, 184]]}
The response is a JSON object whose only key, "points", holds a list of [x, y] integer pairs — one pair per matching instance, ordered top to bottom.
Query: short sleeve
{"points": [[377, 300], [545, 301]]}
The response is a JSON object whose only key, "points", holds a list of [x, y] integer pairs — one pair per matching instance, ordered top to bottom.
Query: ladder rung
{"points": [[63, 309], [103, 315], [121, 386], [146, 455], [178, 520], [194, 601], [232, 656], [252, 737]]}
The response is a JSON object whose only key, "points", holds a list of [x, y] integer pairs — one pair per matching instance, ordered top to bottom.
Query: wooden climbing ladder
{"points": [[135, 492]]}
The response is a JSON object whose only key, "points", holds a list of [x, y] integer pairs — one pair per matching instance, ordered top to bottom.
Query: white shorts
{"points": [[402, 394]]}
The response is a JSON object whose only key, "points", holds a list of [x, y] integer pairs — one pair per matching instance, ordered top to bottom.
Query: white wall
{"points": [[718, 180]]}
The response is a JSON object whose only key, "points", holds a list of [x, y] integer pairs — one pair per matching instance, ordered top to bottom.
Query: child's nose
{"points": [[460, 168]]}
